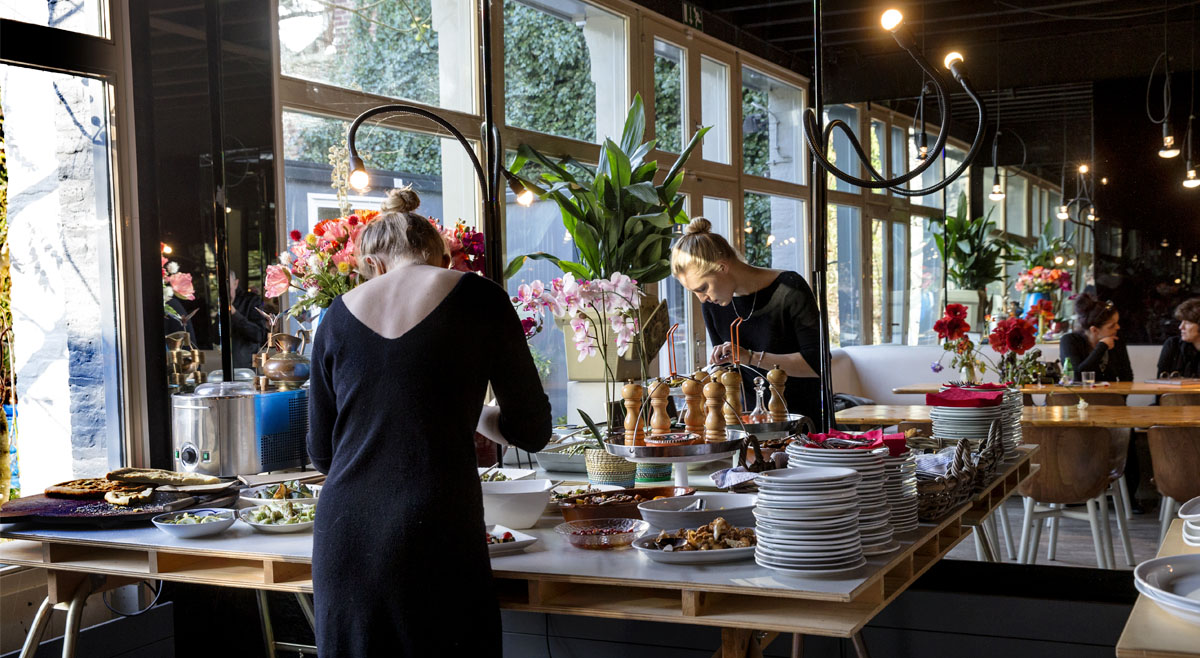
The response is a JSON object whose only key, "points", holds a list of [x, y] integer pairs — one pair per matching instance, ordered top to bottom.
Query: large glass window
{"points": [[84, 16], [419, 50], [564, 69], [670, 108], [715, 110], [772, 137], [878, 146], [840, 152], [897, 157], [930, 176], [961, 187], [1014, 206], [993, 209], [1035, 211], [719, 212], [775, 232], [889, 256], [879, 262], [844, 277], [924, 282], [898, 283], [64, 347]]}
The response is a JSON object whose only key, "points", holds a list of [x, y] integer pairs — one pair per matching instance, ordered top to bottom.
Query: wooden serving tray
{"points": [[40, 508]]}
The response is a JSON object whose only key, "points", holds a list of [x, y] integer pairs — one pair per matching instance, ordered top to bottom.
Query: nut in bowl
{"points": [[292, 491], [619, 504], [285, 518], [195, 523], [602, 534]]}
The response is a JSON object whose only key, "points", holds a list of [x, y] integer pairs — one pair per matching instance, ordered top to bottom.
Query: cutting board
{"points": [[40, 508]]}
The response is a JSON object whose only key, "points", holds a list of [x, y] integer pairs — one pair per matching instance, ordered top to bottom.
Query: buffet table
{"points": [[1118, 388], [1068, 416], [549, 577], [1151, 632]]}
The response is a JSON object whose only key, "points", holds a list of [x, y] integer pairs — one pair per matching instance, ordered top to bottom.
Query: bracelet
{"points": [[760, 356]]}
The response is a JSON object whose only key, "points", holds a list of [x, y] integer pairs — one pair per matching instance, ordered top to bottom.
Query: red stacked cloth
{"points": [[963, 397], [895, 443]]}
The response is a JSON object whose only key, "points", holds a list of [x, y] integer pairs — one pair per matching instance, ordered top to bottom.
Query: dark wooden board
{"points": [[40, 508]]}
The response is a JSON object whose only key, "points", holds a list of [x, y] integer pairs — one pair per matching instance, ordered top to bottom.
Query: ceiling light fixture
{"points": [[1169, 149], [1083, 169], [1104, 180], [1190, 180], [997, 193], [1064, 212], [1164, 243], [1179, 253], [1058, 260], [1070, 262]]}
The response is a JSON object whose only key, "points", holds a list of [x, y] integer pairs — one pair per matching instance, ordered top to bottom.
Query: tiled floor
{"points": [[1075, 547]]}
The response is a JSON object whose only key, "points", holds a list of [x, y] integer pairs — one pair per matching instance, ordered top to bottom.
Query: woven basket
{"points": [[989, 453], [603, 468], [653, 472], [939, 495]]}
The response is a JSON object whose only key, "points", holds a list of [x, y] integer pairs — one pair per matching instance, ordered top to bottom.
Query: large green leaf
{"points": [[635, 125], [687, 152], [618, 163], [643, 192], [658, 219]]}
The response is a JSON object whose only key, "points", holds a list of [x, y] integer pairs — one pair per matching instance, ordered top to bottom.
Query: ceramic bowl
{"points": [[516, 504], [668, 514], [194, 530]]}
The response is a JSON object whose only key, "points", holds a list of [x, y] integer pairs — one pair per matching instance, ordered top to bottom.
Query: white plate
{"points": [[511, 473], [807, 474], [247, 496], [834, 499], [808, 510], [1190, 511], [803, 516], [274, 528], [194, 530], [793, 534], [522, 541], [785, 544], [645, 546], [876, 550], [799, 557], [811, 572], [1175, 579], [1171, 607]]}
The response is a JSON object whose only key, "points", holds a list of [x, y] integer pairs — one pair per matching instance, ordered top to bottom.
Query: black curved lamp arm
{"points": [[818, 146], [357, 163]]}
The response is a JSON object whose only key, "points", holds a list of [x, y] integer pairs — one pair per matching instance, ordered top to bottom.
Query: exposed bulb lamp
{"points": [[817, 140], [1168, 150], [1083, 169], [359, 179], [1191, 181], [997, 193], [525, 196], [1063, 213], [1165, 244], [1179, 253], [1195, 259], [1058, 260], [1071, 262]]}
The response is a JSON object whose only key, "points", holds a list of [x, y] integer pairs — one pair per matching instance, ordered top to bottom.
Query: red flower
{"points": [[352, 220], [295, 235], [956, 311], [1014, 334]]}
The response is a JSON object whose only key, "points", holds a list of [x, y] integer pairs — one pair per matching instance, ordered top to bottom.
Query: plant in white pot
{"points": [[621, 223]]}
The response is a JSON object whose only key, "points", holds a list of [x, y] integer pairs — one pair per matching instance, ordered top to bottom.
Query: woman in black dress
{"points": [[781, 323], [1094, 345], [1180, 356], [400, 367]]}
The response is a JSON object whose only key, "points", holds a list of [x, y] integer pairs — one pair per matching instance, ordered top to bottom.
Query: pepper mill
{"points": [[732, 380], [693, 394], [714, 400], [778, 404], [660, 422], [635, 432]]}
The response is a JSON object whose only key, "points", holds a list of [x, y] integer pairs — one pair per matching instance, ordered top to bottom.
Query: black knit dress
{"points": [[400, 565]]}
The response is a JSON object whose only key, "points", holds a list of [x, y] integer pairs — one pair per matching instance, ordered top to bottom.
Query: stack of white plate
{"points": [[1014, 404], [954, 424], [901, 489], [1190, 513], [874, 514], [807, 521], [1173, 583]]}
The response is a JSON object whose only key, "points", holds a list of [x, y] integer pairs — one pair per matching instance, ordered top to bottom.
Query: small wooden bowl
{"points": [[573, 511]]}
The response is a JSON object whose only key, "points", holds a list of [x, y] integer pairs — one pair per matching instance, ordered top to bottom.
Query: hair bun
{"points": [[403, 199], [698, 225], [1085, 302]]}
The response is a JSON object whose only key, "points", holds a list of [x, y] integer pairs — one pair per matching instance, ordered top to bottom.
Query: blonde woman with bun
{"points": [[780, 319], [400, 366]]}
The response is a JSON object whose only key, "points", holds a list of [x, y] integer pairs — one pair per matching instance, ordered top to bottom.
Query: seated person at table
{"points": [[1094, 346], [1180, 355]]}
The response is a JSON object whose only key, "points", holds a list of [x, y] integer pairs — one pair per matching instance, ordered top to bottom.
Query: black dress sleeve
{"points": [[806, 322], [1075, 347], [1168, 358], [1120, 369], [322, 399], [525, 418]]}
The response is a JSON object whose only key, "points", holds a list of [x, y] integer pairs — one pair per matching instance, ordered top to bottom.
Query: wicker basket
{"points": [[989, 454], [603, 468], [938, 495]]}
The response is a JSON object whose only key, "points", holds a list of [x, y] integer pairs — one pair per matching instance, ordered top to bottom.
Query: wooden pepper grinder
{"points": [[732, 380], [693, 394], [714, 400], [778, 404], [660, 422], [635, 432]]}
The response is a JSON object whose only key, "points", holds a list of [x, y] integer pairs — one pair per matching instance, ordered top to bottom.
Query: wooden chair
{"points": [[1179, 399], [1102, 400], [1175, 458], [1072, 470]]}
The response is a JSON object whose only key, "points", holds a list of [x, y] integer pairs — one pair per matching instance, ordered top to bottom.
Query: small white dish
{"points": [[510, 473], [248, 495], [514, 503], [1190, 511], [669, 513], [274, 528], [194, 530], [522, 541], [645, 546], [1175, 578]]}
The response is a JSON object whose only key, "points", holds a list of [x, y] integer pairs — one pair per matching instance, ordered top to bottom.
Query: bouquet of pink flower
{"points": [[465, 245], [1043, 279], [175, 284], [594, 307]]}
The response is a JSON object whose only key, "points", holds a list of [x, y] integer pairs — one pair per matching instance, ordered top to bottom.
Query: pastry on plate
{"points": [[159, 476], [82, 489], [129, 497]]}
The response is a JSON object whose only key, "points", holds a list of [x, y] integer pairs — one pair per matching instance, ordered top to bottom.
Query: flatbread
{"points": [[159, 476], [87, 488], [129, 497]]}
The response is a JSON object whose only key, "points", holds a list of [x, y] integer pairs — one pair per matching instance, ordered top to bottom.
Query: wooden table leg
{"points": [[797, 645], [860, 646]]}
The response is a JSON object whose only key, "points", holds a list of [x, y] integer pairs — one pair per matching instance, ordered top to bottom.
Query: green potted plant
{"points": [[620, 221], [974, 254]]}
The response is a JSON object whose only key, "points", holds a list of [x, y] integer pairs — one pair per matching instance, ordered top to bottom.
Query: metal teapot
{"points": [[288, 369]]}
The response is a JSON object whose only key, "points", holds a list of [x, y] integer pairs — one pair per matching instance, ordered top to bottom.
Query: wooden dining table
{"points": [[1119, 388], [1067, 416]]}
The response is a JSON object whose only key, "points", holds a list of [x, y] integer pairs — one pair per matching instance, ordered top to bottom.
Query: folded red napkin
{"points": [[990, 386], [962, 397], [895, 443]]}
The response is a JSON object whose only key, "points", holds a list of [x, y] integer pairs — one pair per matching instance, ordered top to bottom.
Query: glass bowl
{"points": [[602, 534]]}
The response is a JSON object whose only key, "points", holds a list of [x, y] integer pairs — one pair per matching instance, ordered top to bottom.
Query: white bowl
{"points": [[510, 473], [247, 496], [516, 504], [1190, 511], [666, 514], [274, 528], [191, 531], [521, 541], [1173, 582]]}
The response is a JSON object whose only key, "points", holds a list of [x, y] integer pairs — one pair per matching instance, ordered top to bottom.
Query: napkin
{"points": [[961, 397], [895, 443], [731, 477]]}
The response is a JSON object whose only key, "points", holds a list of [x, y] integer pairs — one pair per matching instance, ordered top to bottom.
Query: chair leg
{"points": [[1120, 503], [1127, 504], [1167, 514], [1094, 521], [1026, 522], [1106, 531], [1006, 532], [1036, 540], [1052, 549]]}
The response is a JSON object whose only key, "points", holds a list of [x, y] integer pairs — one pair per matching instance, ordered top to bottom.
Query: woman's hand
{"points": [[1109, 341], [723, 353]]}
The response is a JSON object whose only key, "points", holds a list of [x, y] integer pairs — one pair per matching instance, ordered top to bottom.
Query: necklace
{"points": [[753, 307]]}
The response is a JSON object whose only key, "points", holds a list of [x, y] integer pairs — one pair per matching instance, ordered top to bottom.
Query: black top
{"points": [[785, 320], [249, 328], [1178, 357], [1109, 365], [400, 566]]}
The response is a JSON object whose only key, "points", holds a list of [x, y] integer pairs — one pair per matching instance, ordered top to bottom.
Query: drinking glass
{"points": [[1089, 379]]}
